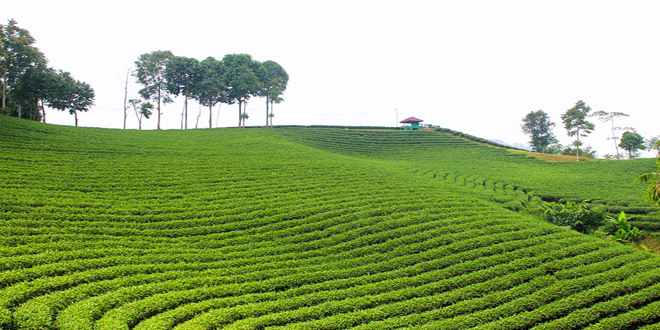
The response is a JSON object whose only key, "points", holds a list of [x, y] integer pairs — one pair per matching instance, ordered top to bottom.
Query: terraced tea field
{"points": [[304, 228]]}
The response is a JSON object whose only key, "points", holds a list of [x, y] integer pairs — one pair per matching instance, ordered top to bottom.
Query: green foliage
{"points": [[150, 72], [183, 75], [241, 75], [273, 80], [28, 84], [211, 89], [70, 94], [577, 125], [538, 126], [632, 142], [585, 152], [652, 193], [582, 217], [301, 228], [622, 230]]}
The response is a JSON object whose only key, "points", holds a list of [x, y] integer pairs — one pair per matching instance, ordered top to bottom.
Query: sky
{"points": [[474, 66]]}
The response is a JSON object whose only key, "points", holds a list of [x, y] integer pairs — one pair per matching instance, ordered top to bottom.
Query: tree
{"points": [[17, 55], [150, 72], [128, 74], [182, 74], [273, 79], [241, 81], [35, 87], [211, 89], [70, 94], [145, 110], [605, 117], [575, 121], [538, 126], [632, 142], [653, 143], [652, 194]]}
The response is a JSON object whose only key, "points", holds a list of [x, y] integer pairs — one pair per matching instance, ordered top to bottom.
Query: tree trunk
{"points": [[4, 92], [126, 96], [185, 107], [158, 108], [183, 111], [43, 112], [240, 113], [267, 113], [75, 114], [198, 115], [210, 116], [217, 118], [616, 145], [577, 147]]}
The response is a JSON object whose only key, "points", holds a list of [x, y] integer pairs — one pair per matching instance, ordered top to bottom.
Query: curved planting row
{"points": [[606, 182], [247, 229]]}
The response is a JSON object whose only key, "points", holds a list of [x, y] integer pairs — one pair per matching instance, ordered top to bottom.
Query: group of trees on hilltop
{"points": [[233, 80], [29, 85], [538, 126]]}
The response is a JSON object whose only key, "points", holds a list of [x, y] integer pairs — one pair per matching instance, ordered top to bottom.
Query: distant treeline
{"points": [[234, 79]]}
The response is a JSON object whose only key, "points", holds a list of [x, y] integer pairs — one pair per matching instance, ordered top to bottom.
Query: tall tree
{"points": [[17, 55], [150, 72], [128, 74], [182, 74], [273, 79], [241, 81], [35, 87], [211, 89], [70, 94], [142, 110], [606, 117], [575, 121], [538, 126], [632, 142], [653, 143]]}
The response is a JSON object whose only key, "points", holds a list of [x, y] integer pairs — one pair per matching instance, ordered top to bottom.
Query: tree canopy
{"points": [[150, 72], [233, 80], [28, 84], [577, 125], [538, 126], [632, 142]]}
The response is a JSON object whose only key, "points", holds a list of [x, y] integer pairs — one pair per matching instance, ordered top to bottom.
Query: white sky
{"points": [[473, 66]]}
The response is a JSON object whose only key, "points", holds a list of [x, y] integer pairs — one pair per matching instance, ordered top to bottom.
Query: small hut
{"points": [[413, 123]]}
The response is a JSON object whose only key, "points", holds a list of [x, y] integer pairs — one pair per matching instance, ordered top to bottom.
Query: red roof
{"points": [[411, 120]]}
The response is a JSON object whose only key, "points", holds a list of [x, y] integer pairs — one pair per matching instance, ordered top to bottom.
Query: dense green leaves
{"points": [[150, 72], [28, 84], [70, 94], [577, 125], [538, 126], [632, 142], [578, 216], [295, 228]]}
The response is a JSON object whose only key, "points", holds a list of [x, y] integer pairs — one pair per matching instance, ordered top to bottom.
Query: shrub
{"points": [[581, 217], [622, 230]]}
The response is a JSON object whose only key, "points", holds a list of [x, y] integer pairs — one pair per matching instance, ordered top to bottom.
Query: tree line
{"points": [[233, 80], [28, 84], [538, 126]]}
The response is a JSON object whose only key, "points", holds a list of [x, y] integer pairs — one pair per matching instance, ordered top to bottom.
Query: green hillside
{"points": [[305, 228]]}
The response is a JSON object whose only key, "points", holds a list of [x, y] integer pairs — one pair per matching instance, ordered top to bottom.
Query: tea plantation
{"points": [[307, 228]]}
